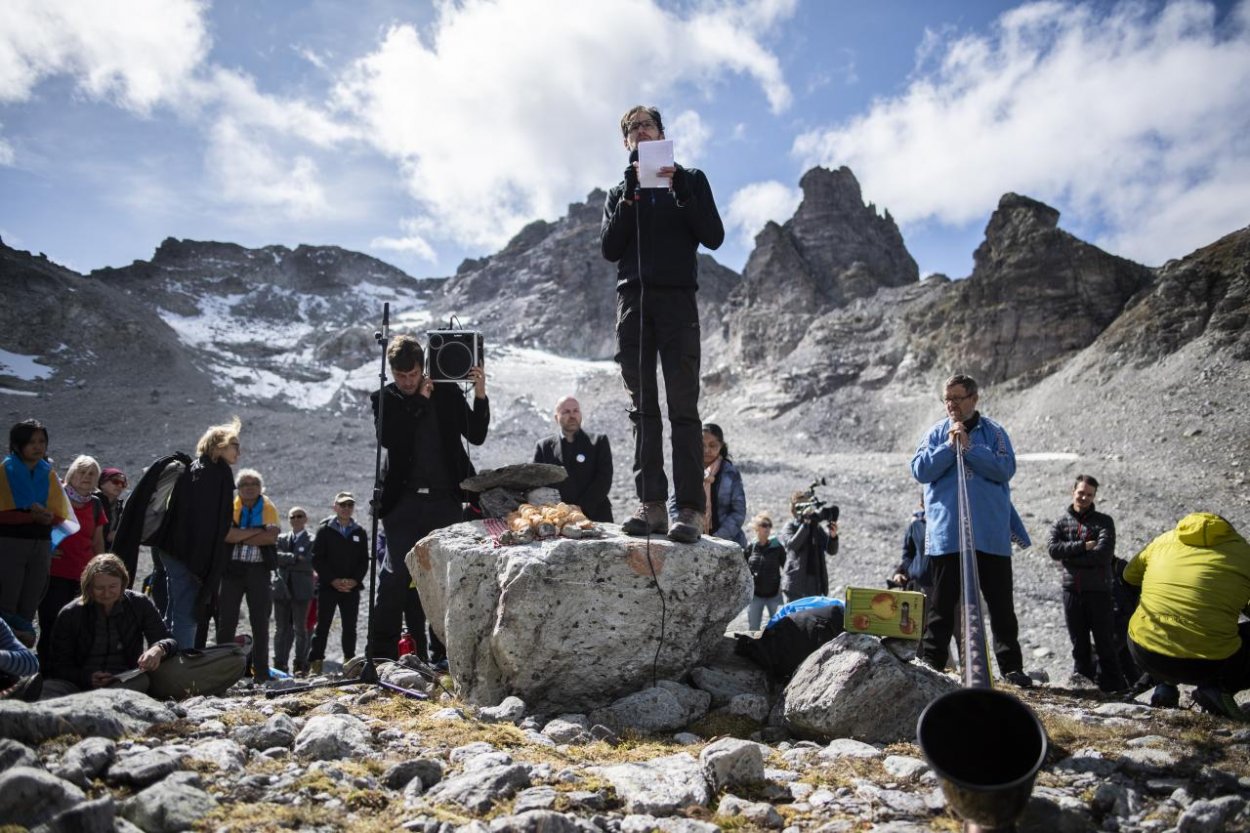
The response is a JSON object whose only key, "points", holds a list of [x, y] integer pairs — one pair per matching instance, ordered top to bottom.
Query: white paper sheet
{"points": [[651, 157]]}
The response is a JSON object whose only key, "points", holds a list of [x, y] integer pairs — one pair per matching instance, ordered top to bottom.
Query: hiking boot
{"points": [[651, 517], [688, 527], [314, 667], [1018, 679], [1165, 696], [1212, 700]]}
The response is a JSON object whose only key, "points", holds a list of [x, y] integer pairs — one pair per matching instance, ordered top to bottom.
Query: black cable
{"points": [[642, 423]]}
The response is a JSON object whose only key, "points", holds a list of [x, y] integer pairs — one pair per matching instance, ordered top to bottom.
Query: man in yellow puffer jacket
{"points": [[1194, 580]]}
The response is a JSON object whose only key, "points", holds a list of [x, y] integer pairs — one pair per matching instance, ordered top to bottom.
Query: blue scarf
{"points": [[27, 487], [252, 516]]}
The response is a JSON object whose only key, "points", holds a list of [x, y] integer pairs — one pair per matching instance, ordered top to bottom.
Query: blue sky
{"points": [[424, 133]]}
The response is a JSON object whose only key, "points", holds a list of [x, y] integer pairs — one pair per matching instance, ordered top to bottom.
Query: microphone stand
{"points": [[368, 673]]}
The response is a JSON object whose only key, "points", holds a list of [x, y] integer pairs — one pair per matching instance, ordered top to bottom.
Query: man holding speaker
{"points": [[653, 234], [421, 426], [586, 457], [990, 463]]}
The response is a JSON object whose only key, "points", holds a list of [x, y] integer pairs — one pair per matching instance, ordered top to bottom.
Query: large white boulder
{"points": [[569, 625]]}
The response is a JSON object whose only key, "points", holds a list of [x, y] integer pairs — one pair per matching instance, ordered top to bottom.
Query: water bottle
{"points": [[406, 643]]}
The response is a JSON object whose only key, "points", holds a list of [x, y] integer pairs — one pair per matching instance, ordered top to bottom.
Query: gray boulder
{"points": [[569, 624], [725, 682], [853, 687], [696, 702], [509, 710], [649, 710], [108, 712], [30, 723], [568, 728], [279, 730], [330, 737], [14, 753], [226, 755], [86, 759], [731, 761], [144, 767], [401, 775], [658, 787], [478, 790], [29, 796], [168, 807], [758, 813], [99, 816], [541, 821]]}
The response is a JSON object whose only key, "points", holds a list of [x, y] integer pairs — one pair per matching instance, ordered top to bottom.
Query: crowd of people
{"points": [[69, 543]]}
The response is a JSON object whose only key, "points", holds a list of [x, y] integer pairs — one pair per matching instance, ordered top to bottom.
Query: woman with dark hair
{"points": [[726, 500], [31, 503], [71, 554], [101, 634]]}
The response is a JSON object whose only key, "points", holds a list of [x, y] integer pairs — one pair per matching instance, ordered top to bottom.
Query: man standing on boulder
{"points": [[653, 234], [421, 426], [586, 457], [989, 463]]}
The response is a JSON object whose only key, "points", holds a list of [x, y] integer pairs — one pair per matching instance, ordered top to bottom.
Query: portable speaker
{"points": [[452, 354]]}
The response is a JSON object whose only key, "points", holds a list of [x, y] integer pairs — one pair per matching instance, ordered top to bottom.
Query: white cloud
{"points": [[136, 53], [503, 109], [1131, 119], [8, 156], [248, 171], [752, 206], [413, 241]]}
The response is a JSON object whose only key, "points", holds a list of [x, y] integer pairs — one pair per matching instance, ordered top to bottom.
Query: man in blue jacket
{"points": [[989, 463]]}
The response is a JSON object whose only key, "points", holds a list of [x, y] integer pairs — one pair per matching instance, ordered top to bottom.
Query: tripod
{"points": [[368, 672]]}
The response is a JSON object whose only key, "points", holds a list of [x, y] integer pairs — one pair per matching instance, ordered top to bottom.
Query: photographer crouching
{"points": [[809, 535]]}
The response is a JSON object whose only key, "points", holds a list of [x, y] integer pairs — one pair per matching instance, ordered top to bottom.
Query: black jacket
{"points": [[671, 234], [398, 433], [588, 461], [201, 515], [129, 531], [335, 556], [765, 564], [1085, 570], [73, 634]]}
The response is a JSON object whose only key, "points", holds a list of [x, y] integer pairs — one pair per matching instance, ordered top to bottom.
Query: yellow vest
{"points": [[1195, 580]]}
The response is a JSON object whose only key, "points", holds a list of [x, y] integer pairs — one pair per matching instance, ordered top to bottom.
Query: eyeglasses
{"points": [[644, 124], [954, 400], [120, 481], [243, 484], [298, 517], [765, 526]]}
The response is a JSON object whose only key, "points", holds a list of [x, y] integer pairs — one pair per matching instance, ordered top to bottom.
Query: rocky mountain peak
{"points": [[834, 250]]}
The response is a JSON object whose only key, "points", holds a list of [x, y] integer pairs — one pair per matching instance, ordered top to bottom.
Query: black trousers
{"points": [[667, 329], [413, 518], [994, 572], [250, 581], [60, 592], [348, 605], [1090, 614], [1231, 674]]}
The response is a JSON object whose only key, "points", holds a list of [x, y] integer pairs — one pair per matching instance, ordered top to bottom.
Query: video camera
{"points": [[815, 506]]}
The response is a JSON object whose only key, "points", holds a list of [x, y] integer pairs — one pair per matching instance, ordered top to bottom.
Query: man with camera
{"points": [[653, 234], [420, 427], [586, 457], [990, 463], [809, 535]]}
